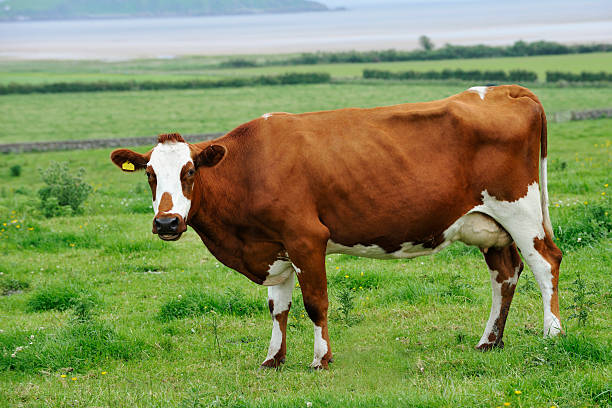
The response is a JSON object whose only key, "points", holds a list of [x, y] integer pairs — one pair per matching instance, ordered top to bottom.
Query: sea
{"points": [[357, 25]]}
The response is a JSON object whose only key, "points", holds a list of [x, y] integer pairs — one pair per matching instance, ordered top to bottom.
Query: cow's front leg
{"points": [[279, 302]]}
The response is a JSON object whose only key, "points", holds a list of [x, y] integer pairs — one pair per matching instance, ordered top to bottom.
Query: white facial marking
{"points": [[481, 90], [167, 160], [281, 296], [320, 347]]}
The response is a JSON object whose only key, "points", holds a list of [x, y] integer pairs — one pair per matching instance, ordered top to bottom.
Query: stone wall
{"points": [[151, 140], [94, 143]]}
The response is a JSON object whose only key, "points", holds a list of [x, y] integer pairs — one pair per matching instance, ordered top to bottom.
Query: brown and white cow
{"points": [[273, 196]]}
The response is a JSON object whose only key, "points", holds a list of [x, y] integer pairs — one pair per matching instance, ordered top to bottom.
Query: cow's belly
{"points": [[474, 228], [407, 250]]}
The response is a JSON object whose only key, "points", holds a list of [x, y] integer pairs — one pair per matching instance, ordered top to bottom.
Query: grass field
{"points": [[207, 67], [33, 118], [433, 309], [97, 310]]}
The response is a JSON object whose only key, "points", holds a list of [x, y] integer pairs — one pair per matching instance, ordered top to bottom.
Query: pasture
{"points": [[99, 312]]}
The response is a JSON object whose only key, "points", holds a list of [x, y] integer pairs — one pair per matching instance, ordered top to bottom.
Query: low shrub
{"points": [[15, 170], [63, 193]]}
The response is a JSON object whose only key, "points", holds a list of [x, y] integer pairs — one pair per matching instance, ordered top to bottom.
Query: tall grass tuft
{"points": [[583, 225], [56, 297], [195, 303], [78, 346]]}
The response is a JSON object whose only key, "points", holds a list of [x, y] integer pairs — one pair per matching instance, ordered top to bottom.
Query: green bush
{"points": [[15, 170], [63, 193]]}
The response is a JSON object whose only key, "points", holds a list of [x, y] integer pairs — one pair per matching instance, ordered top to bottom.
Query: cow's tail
{"points": [[544, 176]]}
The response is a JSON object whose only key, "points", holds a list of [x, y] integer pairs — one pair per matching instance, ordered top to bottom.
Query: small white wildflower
{"points": [[579, 239], [180, 296], [31, 337], [13, 355], [308, 404]]}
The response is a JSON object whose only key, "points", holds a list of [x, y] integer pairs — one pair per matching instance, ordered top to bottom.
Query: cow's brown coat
{"points": [[383, 176]]}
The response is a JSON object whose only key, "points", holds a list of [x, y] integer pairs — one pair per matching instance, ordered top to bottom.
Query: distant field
{"points": [[205, 67], [30, 118], [415, 321]]}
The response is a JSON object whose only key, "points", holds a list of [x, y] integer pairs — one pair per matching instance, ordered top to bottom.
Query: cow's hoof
{"points": [[490, 346], [272, 363], [319, 366]]}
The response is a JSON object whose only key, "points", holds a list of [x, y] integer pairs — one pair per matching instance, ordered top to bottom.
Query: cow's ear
{"points": [[210, 156], [130, 161]]}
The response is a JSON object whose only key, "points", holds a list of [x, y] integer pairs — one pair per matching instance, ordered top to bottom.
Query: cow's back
{"points": [[394, 174]]}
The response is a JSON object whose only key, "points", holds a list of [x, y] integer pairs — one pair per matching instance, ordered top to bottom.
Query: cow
{"points": [[272, 197]]}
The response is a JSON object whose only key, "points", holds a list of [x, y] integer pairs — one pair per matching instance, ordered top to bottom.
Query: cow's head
{"points": [[171, 169]]}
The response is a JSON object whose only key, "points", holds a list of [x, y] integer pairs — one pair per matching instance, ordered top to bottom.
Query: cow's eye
{"points": [[191, 172]]}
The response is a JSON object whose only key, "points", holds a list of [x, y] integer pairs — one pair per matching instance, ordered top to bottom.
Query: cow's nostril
{"points": [[167, 225]]}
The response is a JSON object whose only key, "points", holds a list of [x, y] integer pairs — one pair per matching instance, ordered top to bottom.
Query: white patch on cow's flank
{"points": [[481, 90], [167, 160], [278, 272], [320, 347]]}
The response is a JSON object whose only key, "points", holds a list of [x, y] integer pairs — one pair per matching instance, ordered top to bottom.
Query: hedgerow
{"points": [[289, 78]]}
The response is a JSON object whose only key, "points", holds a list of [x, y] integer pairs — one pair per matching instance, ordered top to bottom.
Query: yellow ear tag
{"points": [[128, 166]]}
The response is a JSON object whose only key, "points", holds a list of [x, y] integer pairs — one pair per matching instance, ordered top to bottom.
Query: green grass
{"points": [[208, 68], [33, 118], [415, 321]]}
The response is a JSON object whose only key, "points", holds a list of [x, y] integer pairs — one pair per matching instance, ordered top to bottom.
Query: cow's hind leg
{"points": [[524, 222], [307, 253], [505, 267], [279, 303]]}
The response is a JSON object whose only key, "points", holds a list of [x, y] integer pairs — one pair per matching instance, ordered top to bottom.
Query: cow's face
{"points": [[171, 169]]}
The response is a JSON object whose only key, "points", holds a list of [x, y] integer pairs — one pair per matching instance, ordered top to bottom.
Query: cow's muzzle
{"points": [[169, 227]]}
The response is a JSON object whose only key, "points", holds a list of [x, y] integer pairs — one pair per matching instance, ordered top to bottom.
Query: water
{"points": [[365, 26]]}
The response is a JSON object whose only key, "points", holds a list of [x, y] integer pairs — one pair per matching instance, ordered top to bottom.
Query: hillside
{"points": [[77, 9]]}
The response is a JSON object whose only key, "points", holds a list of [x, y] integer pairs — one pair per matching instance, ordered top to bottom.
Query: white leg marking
{"points": [[523, 220], [280, 295], [495, 309], [320, 347]]}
